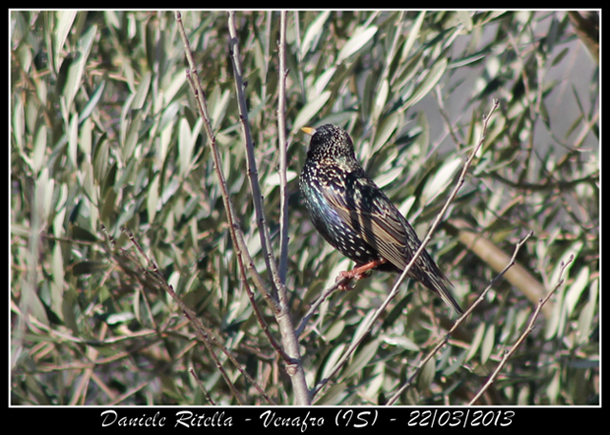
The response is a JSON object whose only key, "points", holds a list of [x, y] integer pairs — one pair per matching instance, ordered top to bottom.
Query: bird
{"points": [[354, 215]]}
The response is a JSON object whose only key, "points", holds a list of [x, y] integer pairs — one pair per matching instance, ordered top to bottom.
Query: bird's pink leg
{"points": [[358, 273]]}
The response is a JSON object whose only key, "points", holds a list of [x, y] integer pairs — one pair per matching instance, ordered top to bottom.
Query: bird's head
{"points": [[329, 142]]}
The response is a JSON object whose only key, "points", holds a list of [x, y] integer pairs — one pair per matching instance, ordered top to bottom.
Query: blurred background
{"points": [[104, 133]]}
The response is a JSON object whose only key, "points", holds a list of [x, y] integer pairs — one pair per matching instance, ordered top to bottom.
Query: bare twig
{"points": [[441, 109], [282, 145], [257, 197], [243, 256], [496, 258], [154, 276], [148, 279], [314, 307], [463, 317], [262, 322], [530, 327], [357, 340], [290, 343], [207, 394]]}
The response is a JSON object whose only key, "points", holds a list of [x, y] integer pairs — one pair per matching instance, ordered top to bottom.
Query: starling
{"points": [[357, 218]]}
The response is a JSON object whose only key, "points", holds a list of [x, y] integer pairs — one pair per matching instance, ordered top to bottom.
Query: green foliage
{"points": [[105, 132]]}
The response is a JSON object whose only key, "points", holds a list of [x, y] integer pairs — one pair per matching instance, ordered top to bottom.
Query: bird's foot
{"points": [[357, 273]]}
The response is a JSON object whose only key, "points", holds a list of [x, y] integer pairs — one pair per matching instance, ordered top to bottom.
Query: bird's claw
{"points": [[357, 274], [348, 276]]}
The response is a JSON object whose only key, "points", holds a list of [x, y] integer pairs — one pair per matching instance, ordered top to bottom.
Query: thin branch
{"points": [[441, 109], [282, 145], [252, 171], [548, 184], [243, 256], [495, 257], [148, 279], [314, 307], [459, 321], [263, 323], [529, 329], [207, 336], [356, 342], [291, 354], [294, 366], [206, 392], [129, 393]]}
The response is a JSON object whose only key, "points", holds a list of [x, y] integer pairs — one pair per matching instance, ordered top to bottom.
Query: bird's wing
{"points": [[371, 214]]}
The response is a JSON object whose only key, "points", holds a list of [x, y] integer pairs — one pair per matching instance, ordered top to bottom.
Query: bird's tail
{"points": [[434, 279], [441, 285]]}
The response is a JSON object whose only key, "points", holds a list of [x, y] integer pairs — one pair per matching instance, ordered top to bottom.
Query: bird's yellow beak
{"points": [[308, 130]]}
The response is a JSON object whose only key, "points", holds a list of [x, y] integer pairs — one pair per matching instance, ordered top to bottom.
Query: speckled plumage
{"points": [[356, 217]]}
